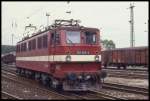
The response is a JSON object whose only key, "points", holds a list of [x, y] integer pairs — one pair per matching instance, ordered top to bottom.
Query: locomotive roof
{"points": [[60, 28]]}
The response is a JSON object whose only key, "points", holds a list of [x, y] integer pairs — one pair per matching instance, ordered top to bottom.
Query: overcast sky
{"points": [[112, 18]]}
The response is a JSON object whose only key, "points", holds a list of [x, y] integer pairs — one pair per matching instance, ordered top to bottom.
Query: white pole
{"points": [[47, 18]]}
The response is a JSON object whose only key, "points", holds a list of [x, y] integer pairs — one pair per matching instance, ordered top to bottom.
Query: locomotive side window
{"points": [[73, 37], [90, 37], [57, 38], [52, 39], [45, 41], [39, 42], [33, 44], [24, 45], [29, 45], [18, 48]]}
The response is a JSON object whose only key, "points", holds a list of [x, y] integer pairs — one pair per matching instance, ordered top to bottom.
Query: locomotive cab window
{"points": [[72, 37], [90, 37]]}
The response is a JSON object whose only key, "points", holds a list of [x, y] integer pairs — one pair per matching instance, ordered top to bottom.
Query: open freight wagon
{"points": [[123, 57]]}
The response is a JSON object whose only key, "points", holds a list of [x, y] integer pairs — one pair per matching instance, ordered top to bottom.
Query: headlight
{"points": [[68, 58], [96, 58], [79, 77], [88, 77]]}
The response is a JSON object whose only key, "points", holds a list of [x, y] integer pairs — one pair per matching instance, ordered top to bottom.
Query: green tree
{"points": [[108, 44]]}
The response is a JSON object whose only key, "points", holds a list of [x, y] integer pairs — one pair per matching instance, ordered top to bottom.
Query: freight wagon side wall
{"points": [[127, 56]]}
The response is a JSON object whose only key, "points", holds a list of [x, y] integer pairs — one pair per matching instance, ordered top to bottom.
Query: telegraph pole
{"points": [[68, 11], [47, 14], [12, 31], [132, 37], [12, 38]]}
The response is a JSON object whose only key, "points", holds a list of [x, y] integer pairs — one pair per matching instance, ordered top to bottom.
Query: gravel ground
{"points": [[131, 82], [24, 91], [125, 95]]}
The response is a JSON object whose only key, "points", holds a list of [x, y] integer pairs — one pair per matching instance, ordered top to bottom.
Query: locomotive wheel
{"points": [[118, 67], [124, 67], [18, 71], [22, 72], [26, 74], [32, 75], [37, 77], [44, 79], [50, 83], [59, 87]]}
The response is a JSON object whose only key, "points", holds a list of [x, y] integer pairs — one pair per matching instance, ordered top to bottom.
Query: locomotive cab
{"points": [[78, 59]]}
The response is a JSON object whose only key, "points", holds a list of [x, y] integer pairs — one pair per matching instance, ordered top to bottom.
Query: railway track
{"points": [[130, 69], [127, 70], [127, 74], [38, 87], [125, 88], [71, 95], [9, 96], [106, 96]]}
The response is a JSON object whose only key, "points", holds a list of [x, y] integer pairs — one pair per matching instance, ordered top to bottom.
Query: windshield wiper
{"points": [[70, 41]]}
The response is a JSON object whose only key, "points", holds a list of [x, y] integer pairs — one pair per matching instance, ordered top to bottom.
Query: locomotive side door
{"points": [[54, 41], [51, 52]]}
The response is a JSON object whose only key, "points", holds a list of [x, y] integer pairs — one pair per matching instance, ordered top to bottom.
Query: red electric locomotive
{"points": [[65, 55]]}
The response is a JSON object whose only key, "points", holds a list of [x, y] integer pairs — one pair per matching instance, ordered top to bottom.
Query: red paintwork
{"points": [[61, 49], [50, 68], [76, 68]]}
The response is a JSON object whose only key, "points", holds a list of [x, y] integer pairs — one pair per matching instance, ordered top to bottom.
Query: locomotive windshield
{"points": [[73, 37], [77, 37], [90, 37]]}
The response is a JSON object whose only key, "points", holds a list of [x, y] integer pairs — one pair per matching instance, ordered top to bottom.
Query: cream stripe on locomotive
{"points": [[61, 58]]}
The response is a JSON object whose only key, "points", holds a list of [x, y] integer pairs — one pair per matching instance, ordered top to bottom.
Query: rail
{"points": [[130, 89], [10, 96], [106, 96]]}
